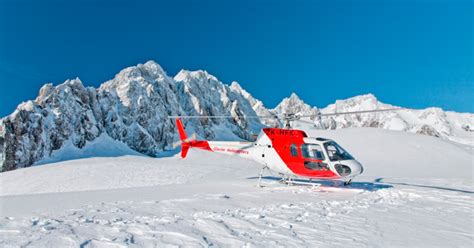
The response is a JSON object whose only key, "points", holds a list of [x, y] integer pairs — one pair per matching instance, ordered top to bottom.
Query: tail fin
{"points": [[182, 133], [183, 137], [187, 143]]}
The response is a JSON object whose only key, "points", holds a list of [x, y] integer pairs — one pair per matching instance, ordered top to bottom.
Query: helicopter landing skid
{"points": [[290, 182]]}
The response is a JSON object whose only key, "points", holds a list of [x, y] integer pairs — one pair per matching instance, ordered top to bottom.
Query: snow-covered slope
{"points": [[102, 146], [416, 191]]}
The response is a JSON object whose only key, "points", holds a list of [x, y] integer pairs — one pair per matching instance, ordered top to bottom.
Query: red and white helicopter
{"points": [[288, 152]]}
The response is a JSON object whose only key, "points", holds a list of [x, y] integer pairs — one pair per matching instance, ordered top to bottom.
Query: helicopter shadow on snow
{"points": [[380, 180], [367, 186]]}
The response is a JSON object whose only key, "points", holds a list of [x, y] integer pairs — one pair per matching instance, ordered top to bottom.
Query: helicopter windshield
{"points": [[336, 152]]}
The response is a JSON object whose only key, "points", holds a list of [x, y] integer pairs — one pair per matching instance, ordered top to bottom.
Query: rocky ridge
{"points": [[134, 106]]}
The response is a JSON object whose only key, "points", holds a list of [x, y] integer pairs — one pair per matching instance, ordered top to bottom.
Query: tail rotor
{"points": [[187, 142]]}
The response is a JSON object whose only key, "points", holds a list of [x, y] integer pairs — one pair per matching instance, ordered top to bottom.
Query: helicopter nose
{"points": [[350, 168], [356, 168]]}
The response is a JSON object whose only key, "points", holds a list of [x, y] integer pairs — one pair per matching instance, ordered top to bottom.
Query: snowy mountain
{"points": [[294, 105], [133, 107], [452, 126]]}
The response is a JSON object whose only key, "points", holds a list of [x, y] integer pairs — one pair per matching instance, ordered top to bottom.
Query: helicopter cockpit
{"points": [[336, 152], [324, 154]]}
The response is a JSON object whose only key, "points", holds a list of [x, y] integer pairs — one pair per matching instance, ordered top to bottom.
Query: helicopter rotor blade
{"points": [[351, 112], [219, 117], [283, 118]]}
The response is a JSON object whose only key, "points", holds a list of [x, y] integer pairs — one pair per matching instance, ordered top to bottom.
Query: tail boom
{"points": [[241, 149]]}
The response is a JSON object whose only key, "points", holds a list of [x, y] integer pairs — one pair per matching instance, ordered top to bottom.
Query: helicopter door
{"points": [[313, 157]]}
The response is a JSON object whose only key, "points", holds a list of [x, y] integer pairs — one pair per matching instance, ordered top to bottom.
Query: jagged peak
{"points": [[153, 67], [150, 68], [182, 75], [186, 75], [74, 81], [69, 83], [68, 86], [236, 86], [46, 89], [44, 92], [294, 96], [365, 96], [293, 99], [366, 99], [293, 104], [28, 105], [435, 111]]}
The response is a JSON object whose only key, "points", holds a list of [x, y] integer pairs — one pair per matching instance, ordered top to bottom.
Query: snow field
{"points": [[415, 191]]}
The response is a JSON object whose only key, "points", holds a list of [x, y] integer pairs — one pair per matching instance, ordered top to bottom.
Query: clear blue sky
{"points": [[409, 53]]}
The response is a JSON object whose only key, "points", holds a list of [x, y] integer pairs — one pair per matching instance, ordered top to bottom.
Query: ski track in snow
{"points": [[211, 200]]}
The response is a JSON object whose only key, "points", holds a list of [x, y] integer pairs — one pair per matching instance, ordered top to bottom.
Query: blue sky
{"points": [[409, 53]]}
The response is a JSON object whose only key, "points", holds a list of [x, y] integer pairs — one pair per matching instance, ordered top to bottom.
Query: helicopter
{"points": [[286, 151]]}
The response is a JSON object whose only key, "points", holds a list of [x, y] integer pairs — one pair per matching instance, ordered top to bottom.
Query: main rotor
{"points": [[286, 118]]}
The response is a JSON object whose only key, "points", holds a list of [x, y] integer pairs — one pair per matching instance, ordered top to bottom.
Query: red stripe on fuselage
{"points": [[282, 139]]}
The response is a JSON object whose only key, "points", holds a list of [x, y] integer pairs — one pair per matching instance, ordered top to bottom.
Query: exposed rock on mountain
{"points": [[257, 106], [133, 108], [58, 114]]}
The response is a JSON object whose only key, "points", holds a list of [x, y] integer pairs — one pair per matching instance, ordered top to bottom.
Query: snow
{"points": [[134, 106], [102, 146], [402, 153], [416, 191]]}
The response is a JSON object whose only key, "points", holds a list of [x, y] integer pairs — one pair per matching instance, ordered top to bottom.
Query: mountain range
{"points": [[133, 108]]}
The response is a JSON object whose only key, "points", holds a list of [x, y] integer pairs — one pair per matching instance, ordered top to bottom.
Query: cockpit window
{"points": [[293, 150], [313, 151], [336, 152]]}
